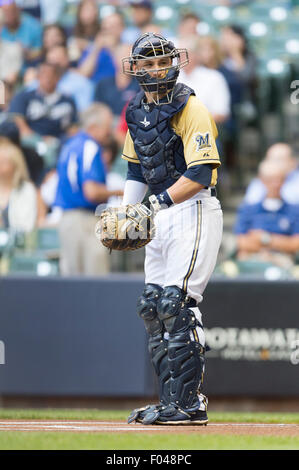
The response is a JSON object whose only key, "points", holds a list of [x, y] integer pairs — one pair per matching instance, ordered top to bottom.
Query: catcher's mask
{"points": [[159, 82]]}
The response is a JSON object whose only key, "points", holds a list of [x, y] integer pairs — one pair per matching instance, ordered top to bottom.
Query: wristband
{"points": [[161, 201]]}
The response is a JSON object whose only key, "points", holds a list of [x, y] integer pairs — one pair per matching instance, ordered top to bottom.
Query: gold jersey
{"points": [[198, 131]]}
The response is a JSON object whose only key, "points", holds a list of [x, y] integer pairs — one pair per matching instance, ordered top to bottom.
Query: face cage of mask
{"points": [[180, 56], [160, 89]]}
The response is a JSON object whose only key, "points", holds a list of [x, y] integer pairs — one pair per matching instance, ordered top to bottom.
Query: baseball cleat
{"points": [[139, 414], [174, 415]]}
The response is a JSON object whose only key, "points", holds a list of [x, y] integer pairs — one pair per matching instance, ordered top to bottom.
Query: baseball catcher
{"points": [[171, 150]]}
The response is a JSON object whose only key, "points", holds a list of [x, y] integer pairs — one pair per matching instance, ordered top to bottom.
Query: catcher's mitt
{"points": [[126, 227]]}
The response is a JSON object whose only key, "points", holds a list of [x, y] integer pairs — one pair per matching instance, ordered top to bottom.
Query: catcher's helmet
{"points": [[159, 82]]}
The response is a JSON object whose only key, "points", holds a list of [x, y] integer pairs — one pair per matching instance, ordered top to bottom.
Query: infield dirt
{"points": [[256, 429]]}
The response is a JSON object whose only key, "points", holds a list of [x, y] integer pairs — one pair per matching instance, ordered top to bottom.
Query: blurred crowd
{"points": [[62, 124]]}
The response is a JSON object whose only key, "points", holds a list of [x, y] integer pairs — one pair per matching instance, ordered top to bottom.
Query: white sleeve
{"points": [[220, 98], [134, 192]]}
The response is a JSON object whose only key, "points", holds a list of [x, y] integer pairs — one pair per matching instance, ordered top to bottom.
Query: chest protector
{"points": [[159, 149]]}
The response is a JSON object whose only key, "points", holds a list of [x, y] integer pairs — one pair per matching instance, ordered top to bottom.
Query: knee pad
{"points": [[147, 308], [174, 310]]}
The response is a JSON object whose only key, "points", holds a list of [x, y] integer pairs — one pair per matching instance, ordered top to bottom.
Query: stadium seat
{"points": [[259, 10], [242, 12], [221, 15], [166, 16], [47, 239], [4, 240], [11, 240], [37, 252], [24, 263], [252, 269], [268, 270]]}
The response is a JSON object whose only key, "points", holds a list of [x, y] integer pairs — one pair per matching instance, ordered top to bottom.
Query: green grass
{"points": [[49, 413], [121, 415], [13, 440], [136, 441]]}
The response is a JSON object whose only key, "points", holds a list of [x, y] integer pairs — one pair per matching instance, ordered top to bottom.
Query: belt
{"points": [[213, 192]]}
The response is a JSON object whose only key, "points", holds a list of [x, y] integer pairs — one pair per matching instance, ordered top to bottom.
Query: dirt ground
{"points": [[258, 429]]}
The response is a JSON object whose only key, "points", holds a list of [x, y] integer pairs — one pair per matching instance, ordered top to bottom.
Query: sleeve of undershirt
{"points": [[134, 173], [200, 174]]}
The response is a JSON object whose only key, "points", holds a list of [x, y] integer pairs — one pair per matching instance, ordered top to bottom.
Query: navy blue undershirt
{"points": [[201, 174]]}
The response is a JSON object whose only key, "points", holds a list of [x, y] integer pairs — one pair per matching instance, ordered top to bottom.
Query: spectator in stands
{"points": [[32, 7], [46, 11], [51, 12], [141, 13], [87, 23], [188, 25], [113, 26], [153, 28], [22, 29], [53, 35], [89, 45], [210, 56], [239, 58], [11, 61], [96, 61], [71, 82], [209, 85], [116, 91], [6, 94], [44, 110], [122, 127], [282, 154], [34, 161], [114, 180], [81, 187], [18, 196], [49, 214], [269, 230]]}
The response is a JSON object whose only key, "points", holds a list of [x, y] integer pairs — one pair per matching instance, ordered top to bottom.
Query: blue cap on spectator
{"points": [[141, 3]]}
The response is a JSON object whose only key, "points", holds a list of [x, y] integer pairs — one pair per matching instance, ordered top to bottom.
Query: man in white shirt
{"points": [[209, 85]]}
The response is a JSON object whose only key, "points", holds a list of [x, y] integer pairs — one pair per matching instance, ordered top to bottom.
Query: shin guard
{"points": [[157, 345], [185, 353]]}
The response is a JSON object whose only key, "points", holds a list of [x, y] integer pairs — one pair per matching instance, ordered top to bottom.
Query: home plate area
{"points": [[122, 427]]}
